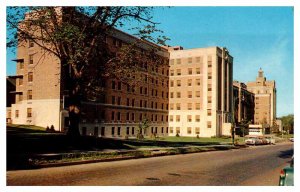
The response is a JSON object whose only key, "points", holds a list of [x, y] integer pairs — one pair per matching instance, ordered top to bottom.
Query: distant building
{"points": [[200, 89], [10, 97], [265, 99], [243, 103]]}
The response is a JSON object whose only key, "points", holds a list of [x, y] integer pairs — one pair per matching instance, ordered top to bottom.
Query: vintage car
{"points": [[270, 139], [253, 140], [286, 177]]}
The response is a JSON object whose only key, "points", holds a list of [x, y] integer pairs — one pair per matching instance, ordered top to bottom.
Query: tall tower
{"points": [[265, 99]]}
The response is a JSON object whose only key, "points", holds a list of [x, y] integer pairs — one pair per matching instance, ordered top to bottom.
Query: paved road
{"points": [[259, 165]]}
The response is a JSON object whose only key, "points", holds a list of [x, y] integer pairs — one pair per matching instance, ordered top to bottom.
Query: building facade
{"points": [[200, 92], [265, 99], [243, 103]]}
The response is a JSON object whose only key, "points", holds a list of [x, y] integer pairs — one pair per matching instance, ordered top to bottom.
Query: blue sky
{"points": [[255, 36]]}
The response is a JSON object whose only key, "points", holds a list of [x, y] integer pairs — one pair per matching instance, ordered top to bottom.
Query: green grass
{"points": [[29, 127]]}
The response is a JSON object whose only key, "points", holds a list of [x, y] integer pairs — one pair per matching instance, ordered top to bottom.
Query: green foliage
{"points": [[288, 122]]}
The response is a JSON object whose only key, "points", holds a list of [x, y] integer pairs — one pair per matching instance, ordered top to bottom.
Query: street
{"points": [[258, 165]]}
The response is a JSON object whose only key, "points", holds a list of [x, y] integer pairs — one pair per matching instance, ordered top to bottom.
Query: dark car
{"points": [[286, 177]]}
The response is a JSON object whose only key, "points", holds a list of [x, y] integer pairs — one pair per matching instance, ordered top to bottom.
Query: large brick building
{"points": [[189, 93], [265, 99]]}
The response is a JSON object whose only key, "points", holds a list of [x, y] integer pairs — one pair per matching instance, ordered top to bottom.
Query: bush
{"points": [[52, 128], [47, 129], [177, 135], [197, 137]]}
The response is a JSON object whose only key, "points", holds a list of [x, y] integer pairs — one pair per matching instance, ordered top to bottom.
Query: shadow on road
{"points": [[286, 154]]}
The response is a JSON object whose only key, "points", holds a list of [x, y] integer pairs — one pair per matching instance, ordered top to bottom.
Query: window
{"points": [[30, 59], [190, 59], [198, 59], [178, 61], [209, 61], [172, 62], [21, 65], [178, 71], [190, 71], [198, 71], [171, 72], [209, 75], [30, 77], [20, 81], [189, 82], [198, 82], [171, 83], [178, 83], [113, 85], [119, 85], [209, 87], [141, 90], [145, 91], [197, 93], [29, 94], [162, 94], [178, 94], [171, 95], [190, 95], [209, 99], [113, 100], [119, 100], [128, 102], [132, 102], [141, 103], [145, 104], [155, 105], [162, 106], [171, 106], [177, 106], [189, 106], [197, 106], [29, 112], [208, 112], [17, 113], [112, 115], [119, 116], [127, 116], [132, 116], [141, 117], [171, 118], [177, 118], [189, 118], [197, 118], [208, 124], [171, 129], [119, 130], [127, 130], [162, 130], [177, 130], [189, 130], [197, 130], [113, 131], [132, 131]]}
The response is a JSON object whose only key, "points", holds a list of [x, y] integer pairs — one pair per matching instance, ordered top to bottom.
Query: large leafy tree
{"points": [[77, 37]]}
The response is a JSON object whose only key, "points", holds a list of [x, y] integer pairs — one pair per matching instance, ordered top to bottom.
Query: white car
{"points": [[270, 140], [253, 141]]}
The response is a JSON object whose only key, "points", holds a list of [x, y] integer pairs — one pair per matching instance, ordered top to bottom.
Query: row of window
{"points": [[190, 60], [189, 71], [30, 78], [189, 82], [189, 94], [143, 103], [177, 106], [29, 113], [130, 116], [188, 118]]}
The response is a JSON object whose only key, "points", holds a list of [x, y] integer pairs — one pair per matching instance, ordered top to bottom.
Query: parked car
{"points": [[270, 139], [292, 139], [263, 140], [253, 141], [286, 177]]}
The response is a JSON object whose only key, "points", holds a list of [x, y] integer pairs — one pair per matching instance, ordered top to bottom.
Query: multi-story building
{"points": [[200, 91], [40, 94], [10, 99], [265, 99], [243, 103]]}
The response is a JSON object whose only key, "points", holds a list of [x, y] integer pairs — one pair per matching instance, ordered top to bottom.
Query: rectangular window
{"points": [[30, 59], [190, 59], [197, 59], [178, 61], [172, 62], [21, 65], [178, 71], [190, 71], [198, 71], [171, 72], [209, 75], [30, 76], [20, 81], [189, 82], [198, 82], [171, 83], [178, 83], [113, 85], [209, 87], [197, 93], [29, 94], [178, 94], [171, 95], [190, 95], [209, 99], [113, 100], [119, 100], [128, 102], [132, 102], [171, 106], [177, 106], [189, 106], [197, 106], [29, 112], [208, 112], [17, 113], [112, 115], [119, 116], [127, 116], [132, 116], [171, 118], [177, 118], [189, 118], [197, 118], [208, 124], [171, 129], [127, 130], [132, 130], [177, 130], [189, 130], [197, 130], [113, 131], [119, 131]]}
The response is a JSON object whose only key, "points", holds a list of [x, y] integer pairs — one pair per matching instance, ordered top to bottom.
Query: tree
{"points": [[77, 37], [288, 123], [143, 125]]}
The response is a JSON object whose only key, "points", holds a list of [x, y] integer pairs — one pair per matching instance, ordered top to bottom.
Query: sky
{"points": [[257, 37]]}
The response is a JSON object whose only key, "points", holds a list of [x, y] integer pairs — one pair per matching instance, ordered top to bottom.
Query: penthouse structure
{"points": [[200, 91], [265, 99]]}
